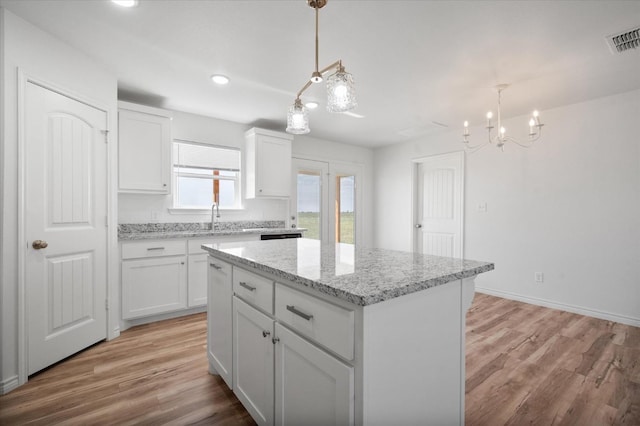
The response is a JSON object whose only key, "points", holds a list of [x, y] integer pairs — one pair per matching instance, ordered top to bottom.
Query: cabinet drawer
{"points": [[153, 249], [254, 289], [330, 325]]}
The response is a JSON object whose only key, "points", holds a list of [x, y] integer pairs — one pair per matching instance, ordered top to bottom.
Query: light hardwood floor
{"points": [[525, 365]]}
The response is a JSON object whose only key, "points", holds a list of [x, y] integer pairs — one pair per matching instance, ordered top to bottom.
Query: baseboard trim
{"points": [[561, 306], [127, 324], [8, 385]]}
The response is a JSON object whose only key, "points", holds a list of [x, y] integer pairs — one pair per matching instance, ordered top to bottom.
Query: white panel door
{"points": [[440, 200], [65, 207]]}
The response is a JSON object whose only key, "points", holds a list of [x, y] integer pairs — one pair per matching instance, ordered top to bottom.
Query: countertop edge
{"points": [[347, 296]]}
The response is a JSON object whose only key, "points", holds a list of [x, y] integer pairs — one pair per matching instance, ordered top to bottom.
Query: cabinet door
{"points": [[144, 154], [267, 163], [273, 167], [197, 280], [153, 286], [219, 319], [253, 361], [312, 387]]}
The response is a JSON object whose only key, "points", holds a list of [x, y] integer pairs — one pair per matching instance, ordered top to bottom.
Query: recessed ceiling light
{"points": [[126, 3], [220, 79], [311, 105]]}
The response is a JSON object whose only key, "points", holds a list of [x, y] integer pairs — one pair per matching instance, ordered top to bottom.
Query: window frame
{"points": [[175, 175]]}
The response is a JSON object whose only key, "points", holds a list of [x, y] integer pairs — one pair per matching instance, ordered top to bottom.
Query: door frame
{"points": [[415, 196], [113, 330]]}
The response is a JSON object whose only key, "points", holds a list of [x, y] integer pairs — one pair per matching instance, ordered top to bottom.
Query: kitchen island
{"points": [[312, 333]]}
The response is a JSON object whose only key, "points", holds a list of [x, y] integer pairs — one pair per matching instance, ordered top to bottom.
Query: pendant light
{"points": [[341, 94]]}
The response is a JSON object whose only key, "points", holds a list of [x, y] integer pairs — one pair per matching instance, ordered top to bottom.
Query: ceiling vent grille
{"points": [[625, 41]]}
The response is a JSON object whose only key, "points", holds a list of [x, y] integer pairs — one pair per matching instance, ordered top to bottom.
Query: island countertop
{"points": [[362, 276]]}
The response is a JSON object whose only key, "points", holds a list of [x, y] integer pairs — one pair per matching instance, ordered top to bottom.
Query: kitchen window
{"points": [[205, 174]]}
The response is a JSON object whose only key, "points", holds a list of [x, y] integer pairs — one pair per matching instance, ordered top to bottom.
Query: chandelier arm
{"points": [[337, 64], [305, 87], [474, 148]]}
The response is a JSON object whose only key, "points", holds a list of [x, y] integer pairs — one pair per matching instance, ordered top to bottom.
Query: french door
{"points": [[325, 200]]}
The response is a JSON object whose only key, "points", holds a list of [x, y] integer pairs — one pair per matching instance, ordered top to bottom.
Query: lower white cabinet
{"points": [[197, 283], [153, 286], [219, 319], [253, 350], [279, 376], [311, 386]]}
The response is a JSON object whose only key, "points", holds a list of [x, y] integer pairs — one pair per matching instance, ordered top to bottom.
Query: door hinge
{"points": [[106, 135], [106, 221], [106, 304]]}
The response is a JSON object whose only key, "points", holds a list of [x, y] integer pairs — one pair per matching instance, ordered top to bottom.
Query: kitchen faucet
{"points": [[216, 209]]}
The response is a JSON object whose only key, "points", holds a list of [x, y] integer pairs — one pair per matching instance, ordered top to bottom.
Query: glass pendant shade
{"points": [[341, 92], [298, 119]]}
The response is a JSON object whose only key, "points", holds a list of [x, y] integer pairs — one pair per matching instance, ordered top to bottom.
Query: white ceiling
{"points": [[415, 63]]}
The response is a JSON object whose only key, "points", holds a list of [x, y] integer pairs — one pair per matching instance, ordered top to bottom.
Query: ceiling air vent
{"points": [[624, 41]]}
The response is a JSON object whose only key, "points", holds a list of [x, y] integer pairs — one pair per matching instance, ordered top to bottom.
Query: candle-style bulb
{"points": [[536, 113], [489, 115], [532, 122], [466, 124], [502, 131]]}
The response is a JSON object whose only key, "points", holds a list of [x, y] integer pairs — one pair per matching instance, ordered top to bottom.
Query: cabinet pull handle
{"points": [[155, 248], [214, 266], [247, 286], [301, 314], [266, 333], [275, 340]]}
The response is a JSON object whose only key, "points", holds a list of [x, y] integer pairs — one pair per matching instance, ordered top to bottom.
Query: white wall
{"points": [[34, 52], [308, 147], [568, 207], [136, 208]]}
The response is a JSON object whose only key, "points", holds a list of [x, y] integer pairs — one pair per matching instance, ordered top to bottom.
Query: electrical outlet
{"points": [[538, 277]]}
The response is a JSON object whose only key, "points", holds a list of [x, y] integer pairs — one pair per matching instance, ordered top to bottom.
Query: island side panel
{"points": [[413, 355]]}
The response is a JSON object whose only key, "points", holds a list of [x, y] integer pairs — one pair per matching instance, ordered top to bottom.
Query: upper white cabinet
{"points": [[144, 149], [268, 163]]}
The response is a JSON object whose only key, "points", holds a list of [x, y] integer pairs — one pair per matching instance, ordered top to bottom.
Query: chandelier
{"points": [[341, 95], [499, 139]]}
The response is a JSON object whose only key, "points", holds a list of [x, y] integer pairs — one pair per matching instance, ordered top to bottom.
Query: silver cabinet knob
{"points": [[418, 226]]}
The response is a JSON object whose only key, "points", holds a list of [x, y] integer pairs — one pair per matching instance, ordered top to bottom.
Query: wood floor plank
{"points": [[525, 365]]}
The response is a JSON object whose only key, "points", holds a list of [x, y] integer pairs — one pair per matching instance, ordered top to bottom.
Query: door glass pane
{"points": [[309, 190], [345, 209]]}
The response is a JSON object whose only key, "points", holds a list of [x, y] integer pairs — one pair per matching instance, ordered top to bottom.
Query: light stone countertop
{"points": [[153, 231], [130, 236], [362, 276]]}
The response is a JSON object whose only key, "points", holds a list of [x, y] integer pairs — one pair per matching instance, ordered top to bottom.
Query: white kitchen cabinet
{"points": [[144, 149], [267, 164], [153, 282], [197, 282], [220, 320], [253, 373], [280, 376], [312, 387]]}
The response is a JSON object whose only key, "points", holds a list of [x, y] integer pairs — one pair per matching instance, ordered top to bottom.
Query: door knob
{"points": [[418, 226], [39, 244]]}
